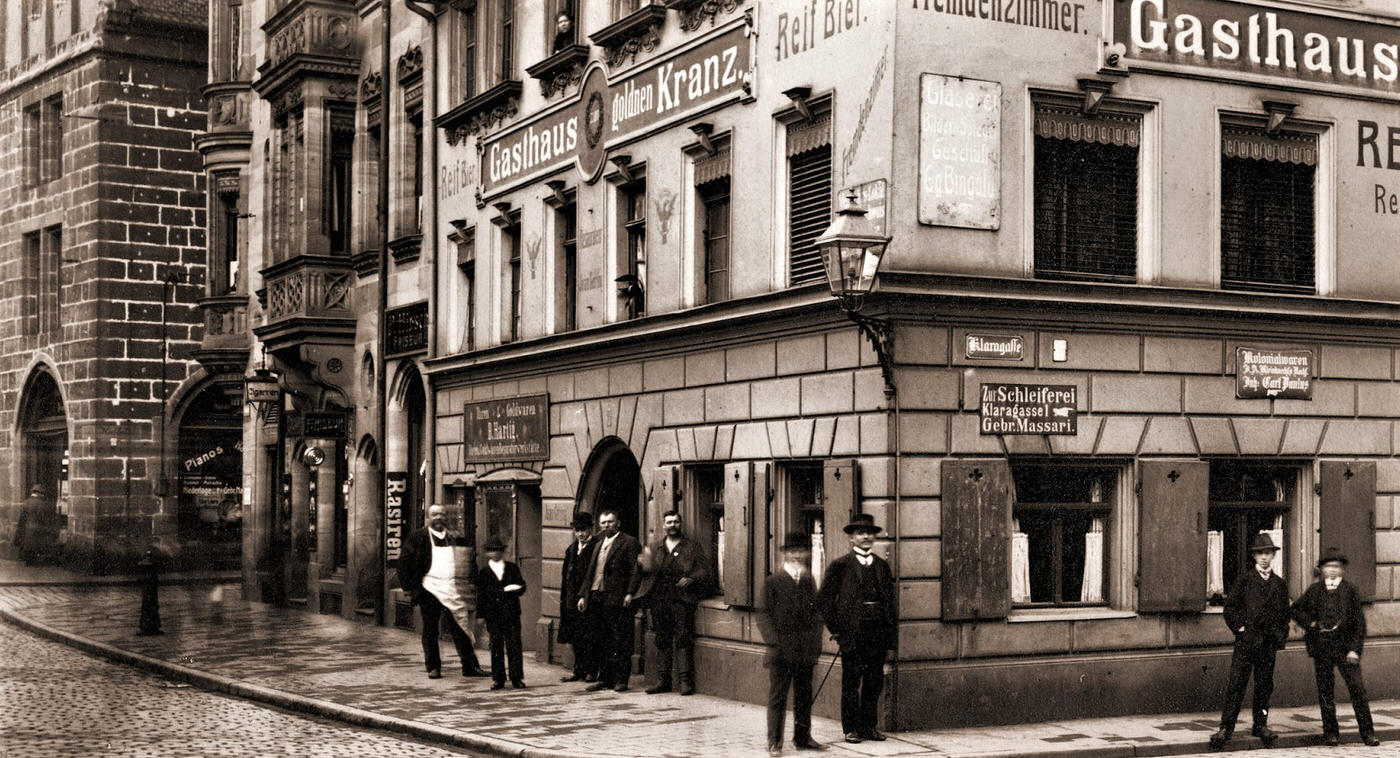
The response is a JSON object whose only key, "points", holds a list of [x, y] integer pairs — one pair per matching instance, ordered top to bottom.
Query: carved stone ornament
{"points": [[694, 13], [639, 32], [643, 41], [411, 64], [560, 71], [370, 88], [342, 91], [291, 100], [488, 119], [457, 135]]}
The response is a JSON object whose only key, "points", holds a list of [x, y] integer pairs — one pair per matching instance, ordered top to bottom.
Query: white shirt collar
{"points": [[442, 535], [609, 540], [864, 556], [498, 568], [794, 570], [1332, 584]]}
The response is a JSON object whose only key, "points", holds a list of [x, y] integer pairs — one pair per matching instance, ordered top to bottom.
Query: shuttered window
{"points": [[1086, 195], [809, 197], [1267, 239], [706, 518], [1347, 521], [976, 529], [1171, 536], [738, 559]]}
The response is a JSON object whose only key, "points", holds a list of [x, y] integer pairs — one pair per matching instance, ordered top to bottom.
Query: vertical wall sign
{"points": [[959, 152], [395, 487]]}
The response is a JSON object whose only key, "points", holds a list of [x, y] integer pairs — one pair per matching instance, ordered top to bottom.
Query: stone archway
{"points": [[42, 437], [612, 480]]}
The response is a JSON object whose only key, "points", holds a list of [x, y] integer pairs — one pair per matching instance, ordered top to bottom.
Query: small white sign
{"points": [[959, 152]]}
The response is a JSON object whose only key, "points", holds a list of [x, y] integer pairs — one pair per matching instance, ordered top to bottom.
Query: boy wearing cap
{"points": [[499, 587], [857, 602], [1256, 611], [792, 625], [1335, 629]]}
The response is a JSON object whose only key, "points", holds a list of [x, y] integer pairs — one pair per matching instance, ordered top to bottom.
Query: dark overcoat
{"points": [[417, 558], [667, 567], [620, 573], [574, 574], [492, 601], [1260, 607], [842, 611], [791, 621], [1350, 634]]}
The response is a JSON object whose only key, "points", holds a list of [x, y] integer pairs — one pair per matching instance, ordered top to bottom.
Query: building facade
{"points": [[102, 241], [1138, 296]]}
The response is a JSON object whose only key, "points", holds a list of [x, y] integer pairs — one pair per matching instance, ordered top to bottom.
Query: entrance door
{"points": [[620, 489]]}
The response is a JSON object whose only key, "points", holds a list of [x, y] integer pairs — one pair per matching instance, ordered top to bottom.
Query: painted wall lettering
{"points": [[1053, 15], [814, 22]]}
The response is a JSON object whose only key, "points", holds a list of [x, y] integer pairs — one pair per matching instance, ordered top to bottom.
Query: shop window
{"points": [[809, 190], [1086, 194], [1267, 224], [566, 269], [805, 495], [1246, 499], [707, 515], [1059, 538], [340, 545]]}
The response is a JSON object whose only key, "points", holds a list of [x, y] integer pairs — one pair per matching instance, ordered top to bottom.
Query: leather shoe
{"points": [[473, 673], [435, 674], [571, 678], [591, 678], [516, 683], [498, 685], [596, 687], [620, 688], [659, 688], [687, 689], [1265, 734], [874, 735], [853, 738], [1219, 739], [1330, 739], [1371, 740], [808, 744], [775, 749]]}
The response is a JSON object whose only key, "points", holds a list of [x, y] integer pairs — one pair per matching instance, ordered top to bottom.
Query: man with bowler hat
{"points": [[857, 602], [1256, 611], [792, 625], [574, 626], [1335, 629]]}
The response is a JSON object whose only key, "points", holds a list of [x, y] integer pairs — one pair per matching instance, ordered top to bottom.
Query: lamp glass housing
{"points": [[851, 250]]}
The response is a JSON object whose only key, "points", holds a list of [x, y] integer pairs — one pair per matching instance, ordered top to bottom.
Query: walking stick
{"points": [[818, 691]]}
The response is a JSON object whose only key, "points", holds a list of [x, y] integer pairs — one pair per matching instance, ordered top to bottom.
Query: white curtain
{"points": [[1276, 534], [719, 550], [818, 551], [1215, 563], [1020, 565], [1091, 590]]}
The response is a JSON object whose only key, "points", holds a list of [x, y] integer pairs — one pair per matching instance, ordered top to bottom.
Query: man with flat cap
{"points": [[857, 602], [1256, 610], [791, 624], [574, 626], [1335, 629]]}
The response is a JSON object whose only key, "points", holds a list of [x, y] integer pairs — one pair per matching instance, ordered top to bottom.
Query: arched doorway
{"points": [[43, 444], [613, 481], [209, 511]]}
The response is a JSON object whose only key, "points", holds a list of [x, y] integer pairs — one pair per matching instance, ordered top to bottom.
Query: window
{"points": [[623, 8], [564, 33], [500, 52], [467, 69], [415, 125], [43, 141], [339, 186], [1267, 191], [1086, 194], [714, 196], [809, 196], [510, 241], [466, 263], [32, 268], [633, 268], [566, 273], [224, 277], [51, 280], [1246, 499], [806, 509], [707, 517], [1060, 527], [340, 546]]}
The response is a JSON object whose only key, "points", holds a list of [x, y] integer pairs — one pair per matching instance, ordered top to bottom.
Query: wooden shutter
{"points": [[840, 491], [663, 496], [977, 498], [760, 519], [1346, 519], [1172, 535], [738, 557]]}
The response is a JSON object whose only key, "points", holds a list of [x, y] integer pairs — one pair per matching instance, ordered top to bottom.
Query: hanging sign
{"points": [[406, 329], [1274, 374], [1029, 409], [509, 429]]}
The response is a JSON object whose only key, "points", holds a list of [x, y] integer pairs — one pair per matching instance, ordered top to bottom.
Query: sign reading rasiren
{"points": [[665, 91], [959, 152], [1279, 374], [1029, 409], [510, 429], [395, 487]]}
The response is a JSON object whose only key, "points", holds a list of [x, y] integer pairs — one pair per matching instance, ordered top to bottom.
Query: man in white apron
{"points": [[428, 572]]}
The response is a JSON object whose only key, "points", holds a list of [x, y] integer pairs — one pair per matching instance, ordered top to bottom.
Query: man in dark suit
{"points": [[427, 571], [678, 571], [612, 584], [499, 587], [857, 601], [1256, 610], [573, 624], [792, 625], [1335, 629]]}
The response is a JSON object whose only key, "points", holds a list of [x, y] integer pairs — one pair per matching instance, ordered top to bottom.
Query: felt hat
{"points": [[582, 520], [863, 522], [797, 541], [1261, 543], [494, 544], [1332, 554]]}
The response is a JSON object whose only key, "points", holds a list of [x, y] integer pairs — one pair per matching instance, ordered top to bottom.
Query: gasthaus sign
{"points": [[606, 112]]}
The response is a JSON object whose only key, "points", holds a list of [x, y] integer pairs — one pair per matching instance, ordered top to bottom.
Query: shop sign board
{"points": [[959, 152], [406, 329], [995, 347], [1273, 374], [258, 390], [1029, 409], [325, 425], [507, 429], [395, 488]]}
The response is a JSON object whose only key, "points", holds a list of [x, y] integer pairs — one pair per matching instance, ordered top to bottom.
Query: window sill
{"points": [[716, 603], [1216, 609], [1029, 615]]}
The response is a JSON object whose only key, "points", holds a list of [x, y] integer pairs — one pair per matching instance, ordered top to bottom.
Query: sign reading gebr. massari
{"points": [[1276, 374], [1029, 409], [510, 429]]}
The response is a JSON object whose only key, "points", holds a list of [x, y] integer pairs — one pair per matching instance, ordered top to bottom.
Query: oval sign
{"points": [[594, 99]]}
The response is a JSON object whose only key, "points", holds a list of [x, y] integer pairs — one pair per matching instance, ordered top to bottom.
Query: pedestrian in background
{"points": [[36, 532], [428, 572], [677, 575], [613, 579], [499, 587], [857, 602], [1256, 610], [791, 624], [574, 625], [1334, 628]]}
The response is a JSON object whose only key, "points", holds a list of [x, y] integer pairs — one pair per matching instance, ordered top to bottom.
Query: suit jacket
{"points": [[417, 558], [668, 566], [620, 573], [574, 574], [492, 601], [1260, 607], [842, 611], [791, 622], [1350, 633]]}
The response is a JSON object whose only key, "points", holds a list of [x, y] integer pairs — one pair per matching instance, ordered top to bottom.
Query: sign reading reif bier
{"points": [[998, 347], [1280, 374], [1029, 409], [512, 429]]}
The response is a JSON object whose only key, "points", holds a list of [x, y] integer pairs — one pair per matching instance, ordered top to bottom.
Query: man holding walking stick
{"points": [[857, 601], [792, 626]]}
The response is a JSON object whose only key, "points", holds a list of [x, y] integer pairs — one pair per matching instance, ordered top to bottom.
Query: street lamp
{"points": [[852, 249]]}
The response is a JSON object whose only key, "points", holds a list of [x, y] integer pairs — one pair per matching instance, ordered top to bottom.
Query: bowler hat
{"points": [[582, 520], [863, 522], [797, 541], [1262, 543], [494, 544], [1332, 554]]}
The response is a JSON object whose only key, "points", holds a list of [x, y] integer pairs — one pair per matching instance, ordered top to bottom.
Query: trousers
{"points": [[433, 614], [506, 649], [1247, 660], [783, 676], [862, 681], [1326, 699]]}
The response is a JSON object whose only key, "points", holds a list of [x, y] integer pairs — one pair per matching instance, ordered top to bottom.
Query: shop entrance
{"points": [[613, 481], [209, 514]]}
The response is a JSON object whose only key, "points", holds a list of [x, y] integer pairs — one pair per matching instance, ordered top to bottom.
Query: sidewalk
{"points": [[373, 676]]}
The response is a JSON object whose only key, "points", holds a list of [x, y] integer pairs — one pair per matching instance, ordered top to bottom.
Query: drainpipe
{"points": [[430, 227], [380, 392]]}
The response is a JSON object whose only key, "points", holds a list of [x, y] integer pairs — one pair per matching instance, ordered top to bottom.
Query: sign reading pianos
{"points": [[1029, 409], [508, 429]]}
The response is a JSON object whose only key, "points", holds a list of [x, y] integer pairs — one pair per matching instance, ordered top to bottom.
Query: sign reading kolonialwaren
{"points": [[1276, 374], [1029, 409], [510, 429]]}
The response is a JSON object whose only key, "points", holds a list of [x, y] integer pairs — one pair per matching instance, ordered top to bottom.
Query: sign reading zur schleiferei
{"points": [[1261, 39], [1029, 409], [506, 429]]}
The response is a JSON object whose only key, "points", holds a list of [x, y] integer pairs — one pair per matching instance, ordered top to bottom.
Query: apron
{"points": [[441, 580]]}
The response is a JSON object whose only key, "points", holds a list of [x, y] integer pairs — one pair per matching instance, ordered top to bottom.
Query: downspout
{"points": [[431, 226], [380, 382]]}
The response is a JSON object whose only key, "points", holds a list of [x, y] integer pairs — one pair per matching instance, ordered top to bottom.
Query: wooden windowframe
{"points": [[468, 68], [566, 220], [716, 239], [1247, 497], [1056, 505], [705, 513]]}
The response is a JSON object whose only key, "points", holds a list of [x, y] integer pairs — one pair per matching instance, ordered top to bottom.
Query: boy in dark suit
{"points": [[499, 587], [1257, 612], [792, 625], [1335, 629]]}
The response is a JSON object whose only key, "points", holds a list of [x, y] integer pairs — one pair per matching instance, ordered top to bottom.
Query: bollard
{"points": [[149, 570]]}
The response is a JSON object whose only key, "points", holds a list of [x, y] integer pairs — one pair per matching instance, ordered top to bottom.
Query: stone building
{"points": [[102, 225]]}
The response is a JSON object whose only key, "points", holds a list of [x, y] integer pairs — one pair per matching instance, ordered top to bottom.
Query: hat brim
{"points": [[853, 528], [1264, 549], [1334, 559]]}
